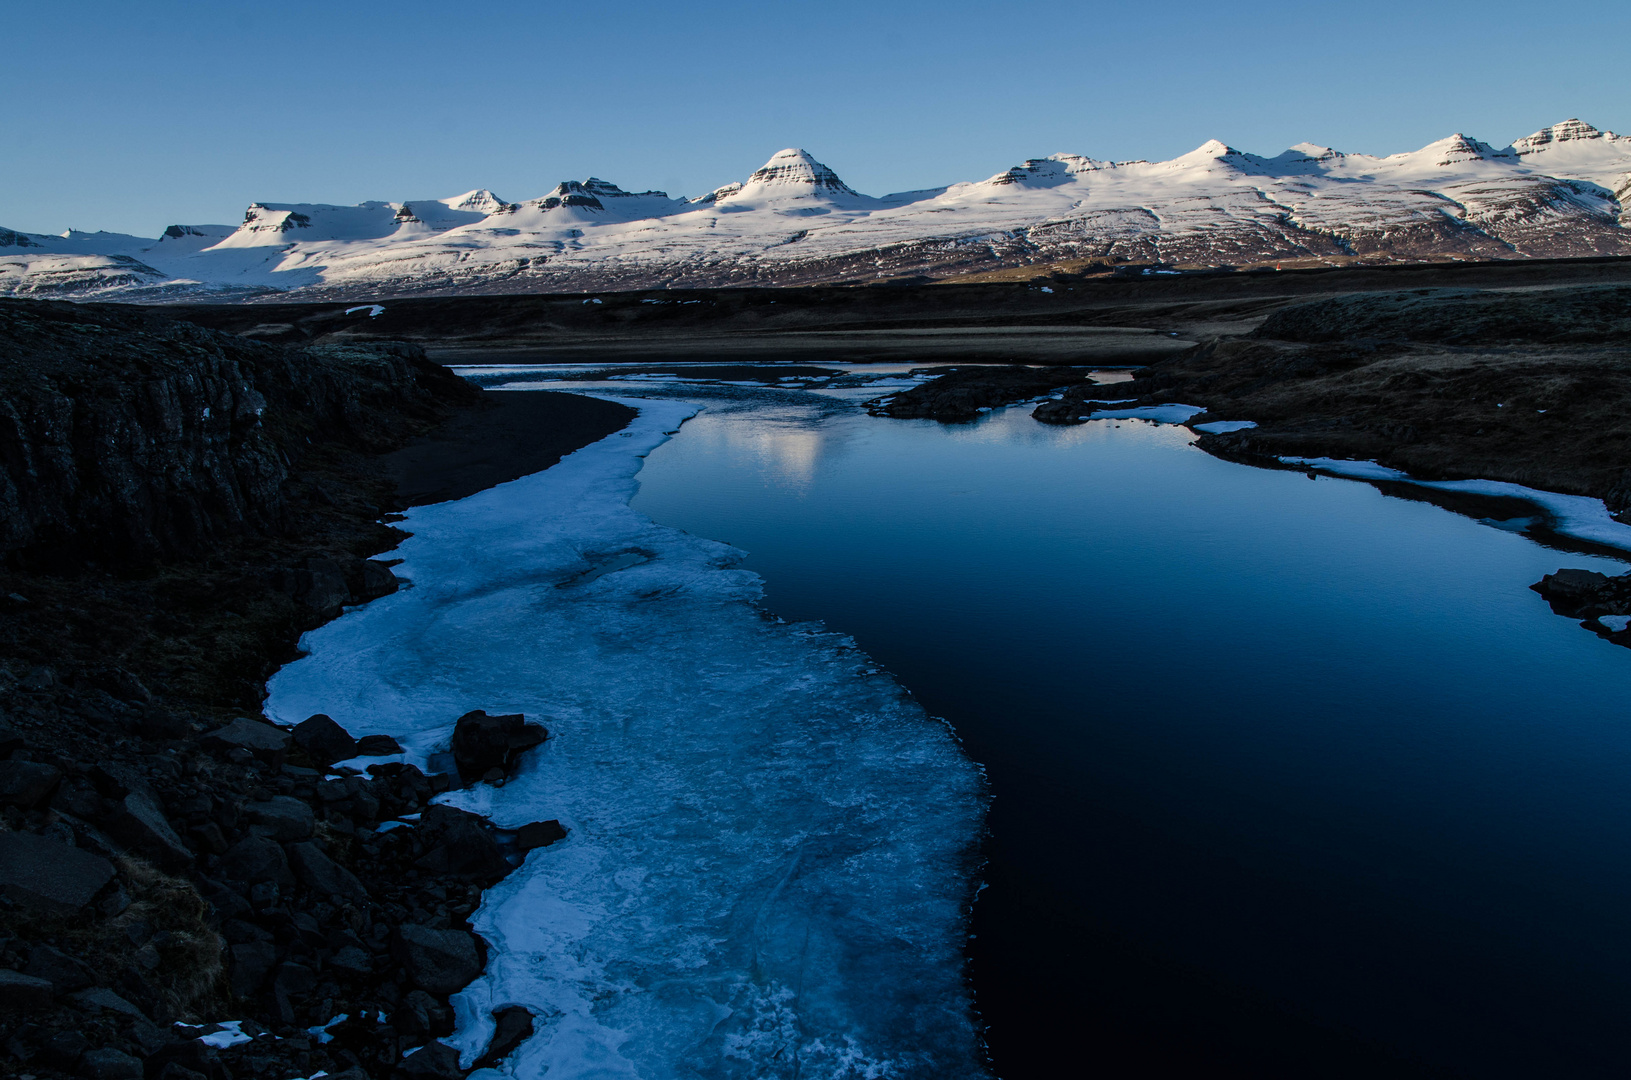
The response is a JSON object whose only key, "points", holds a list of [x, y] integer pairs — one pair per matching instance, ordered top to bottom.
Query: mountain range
{"points": [[1560, 192]]}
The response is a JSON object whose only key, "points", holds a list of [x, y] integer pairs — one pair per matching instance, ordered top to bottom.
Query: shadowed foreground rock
{"points": [[176, 507]]}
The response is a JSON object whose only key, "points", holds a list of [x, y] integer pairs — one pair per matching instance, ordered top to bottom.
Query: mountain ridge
{"points": [[1559, 192]]}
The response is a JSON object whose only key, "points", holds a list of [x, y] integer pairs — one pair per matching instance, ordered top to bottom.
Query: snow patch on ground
{"points": [[1161, 414], [1220, 427], [1569, 515], [772, 848]]}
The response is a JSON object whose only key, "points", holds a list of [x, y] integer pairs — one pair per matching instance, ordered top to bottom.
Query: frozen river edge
{"points": [[773, 850]]}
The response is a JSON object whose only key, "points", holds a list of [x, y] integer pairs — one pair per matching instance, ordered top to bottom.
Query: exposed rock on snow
{"points": [[1556, 193]]}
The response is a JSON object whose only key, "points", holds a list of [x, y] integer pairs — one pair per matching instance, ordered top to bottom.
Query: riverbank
{"points": [[1529, 387], [180, 506]]}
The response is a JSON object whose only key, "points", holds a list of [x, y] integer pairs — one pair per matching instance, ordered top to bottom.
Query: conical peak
{"points": [[1452, 150], [1205, 154], [798, 169], [480, 200]]}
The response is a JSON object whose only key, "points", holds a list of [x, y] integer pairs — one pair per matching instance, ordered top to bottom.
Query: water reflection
{"points": [[1292, 778]]}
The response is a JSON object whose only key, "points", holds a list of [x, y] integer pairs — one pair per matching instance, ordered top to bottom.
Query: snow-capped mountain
{"points": [[1557, 193]]}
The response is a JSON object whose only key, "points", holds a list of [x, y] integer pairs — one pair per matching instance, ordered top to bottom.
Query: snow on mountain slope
{"points": [[1557, 193]]}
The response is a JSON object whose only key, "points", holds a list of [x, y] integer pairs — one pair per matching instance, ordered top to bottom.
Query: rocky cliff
{"points": [[128, 438], [178, 505]]}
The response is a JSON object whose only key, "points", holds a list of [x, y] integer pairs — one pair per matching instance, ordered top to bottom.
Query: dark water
{"points": [[1291, 778]]}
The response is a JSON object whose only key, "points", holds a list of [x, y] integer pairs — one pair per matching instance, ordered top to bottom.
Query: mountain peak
{"points": [[1570, 130], [1453, 150], [1316, 152], [794, 168], [479, 201]]}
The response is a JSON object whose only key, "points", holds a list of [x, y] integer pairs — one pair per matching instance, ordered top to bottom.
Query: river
{"points": [[1288, 777]]}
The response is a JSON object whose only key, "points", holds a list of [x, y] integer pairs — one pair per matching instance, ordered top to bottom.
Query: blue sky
{"points": [[132, 116]]}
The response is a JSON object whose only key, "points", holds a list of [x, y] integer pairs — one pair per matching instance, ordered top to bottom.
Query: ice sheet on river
{"points": [[772, 848]]}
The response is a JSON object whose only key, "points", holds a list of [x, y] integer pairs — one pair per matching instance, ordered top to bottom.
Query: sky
{"points": [[133, 116]]}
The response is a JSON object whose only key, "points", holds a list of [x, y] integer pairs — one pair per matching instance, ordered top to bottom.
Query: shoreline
{"points": [[625, 754], [199, 865]]}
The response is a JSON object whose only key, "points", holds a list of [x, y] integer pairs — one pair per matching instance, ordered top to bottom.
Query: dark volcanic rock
{"points": [[961, 394], [128, 437], [376, 581], [318, 587], [1576, 593], [1590, 597], [323, 739], [482, 742], [269, 744], [377, 746], [26, 783], [281, 817], [140, 823], [539, 834], [458, 842], [255, 859], [44, 874], [323, 875], [252, 961], [438, 961], [58, 968], [19, 991], [513, 1026], [433, 1061], [109, 1064]]}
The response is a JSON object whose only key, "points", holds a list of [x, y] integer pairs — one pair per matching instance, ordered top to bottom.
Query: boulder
{"points": [[376, 580], [1571, 582], [318, 587], [1580, 594], [10, 738], [324, 740], [482, 742], [268, 743], [377, 746], [26, 783], [282, 817], [140, 823], [539, 834], [457, 842], [257, 859], [48, 875], [323, 875], [351, 960], [252, 961], [438, 961], [63, 972], [294, 980], [19, 992], [100, 997], [422, 1017], [513, 1026], [63, 1049], [433, 1061], [109, 1064]]}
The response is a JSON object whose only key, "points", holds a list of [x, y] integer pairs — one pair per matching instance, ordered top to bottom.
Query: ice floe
{"points": [[1220, 427], [772, 848]]}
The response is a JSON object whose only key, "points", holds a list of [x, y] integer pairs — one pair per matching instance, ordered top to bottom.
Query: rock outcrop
{"points": [[128, 438]]}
